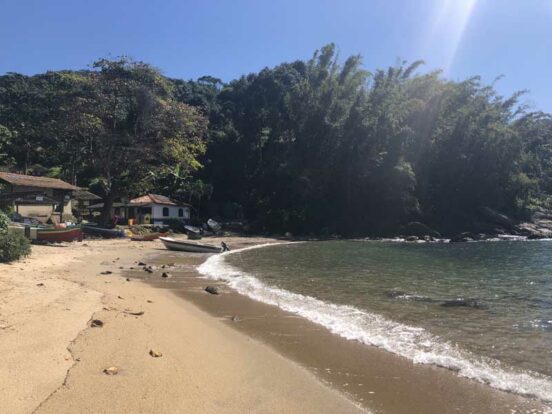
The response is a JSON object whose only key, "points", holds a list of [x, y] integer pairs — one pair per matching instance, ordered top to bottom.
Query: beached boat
{"points": [[102, 232], [53, 235], [147, 237], [185, 246]]}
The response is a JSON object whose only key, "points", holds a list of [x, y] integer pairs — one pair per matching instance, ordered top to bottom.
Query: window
{"points": [[165, 212], [180, 212]]}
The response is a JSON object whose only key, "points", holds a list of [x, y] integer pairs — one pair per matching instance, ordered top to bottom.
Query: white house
{"points": [[156, 209]]}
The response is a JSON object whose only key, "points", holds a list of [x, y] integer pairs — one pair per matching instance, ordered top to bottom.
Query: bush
{"points": [[4, 221], [13, 246]]}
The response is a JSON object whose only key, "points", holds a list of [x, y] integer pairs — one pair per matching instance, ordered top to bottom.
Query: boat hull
{"points": [[104, 233], [59, 235], [147, 237], [183, 246]]}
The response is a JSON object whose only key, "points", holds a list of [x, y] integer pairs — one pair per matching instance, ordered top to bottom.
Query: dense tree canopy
{"points": [[310, 146]]}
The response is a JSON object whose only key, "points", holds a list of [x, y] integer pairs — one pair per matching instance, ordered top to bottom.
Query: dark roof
{"points": [[38, 182], [85, 195], [155, 199]]}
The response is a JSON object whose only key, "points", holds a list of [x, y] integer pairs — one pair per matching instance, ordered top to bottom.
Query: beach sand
{"points": [[52, 361], [262, 361]]}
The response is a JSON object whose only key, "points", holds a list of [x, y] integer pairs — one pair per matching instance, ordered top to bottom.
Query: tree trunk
{"points": [[106, 218]]}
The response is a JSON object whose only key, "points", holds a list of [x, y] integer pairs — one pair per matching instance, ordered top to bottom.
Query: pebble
{"points": [[96, 323], [155, 353], [111, 371]]}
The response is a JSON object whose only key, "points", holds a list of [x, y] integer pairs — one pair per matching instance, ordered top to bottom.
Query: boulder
{"points": [[462, 237], [213, 290]]}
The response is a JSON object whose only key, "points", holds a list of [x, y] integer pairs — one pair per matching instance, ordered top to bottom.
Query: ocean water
{"points": [[483, 309]]}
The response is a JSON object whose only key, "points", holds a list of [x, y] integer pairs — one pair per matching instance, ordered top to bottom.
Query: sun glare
{"points": [[448, 24]]}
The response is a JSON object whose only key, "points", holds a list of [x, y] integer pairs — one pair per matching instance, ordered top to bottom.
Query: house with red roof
{"points": [[156, 209]]}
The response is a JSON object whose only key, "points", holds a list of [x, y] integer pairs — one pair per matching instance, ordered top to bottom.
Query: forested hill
{"points": [[319, 146]]}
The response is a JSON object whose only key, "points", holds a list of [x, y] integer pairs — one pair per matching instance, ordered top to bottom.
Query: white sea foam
{"points": [[351, 323]]}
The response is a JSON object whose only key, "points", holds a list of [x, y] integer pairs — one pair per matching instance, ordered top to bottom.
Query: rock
{"points": [[415, 228], [462, 237], [411, 238], [141, 264], [148, 269], [106, 272], [165, 274], [128, 279], [40, 284], [212, 290], [149, 301], [466, 303], [138, 313], [235, 318], [96, 323], [155, 353], [111, 371]]}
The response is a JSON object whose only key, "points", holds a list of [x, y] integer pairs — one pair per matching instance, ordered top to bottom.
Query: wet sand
{"points": [[52, 360], [378, 380]]}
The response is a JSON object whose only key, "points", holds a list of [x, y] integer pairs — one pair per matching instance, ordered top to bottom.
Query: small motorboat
{"points": [[102, 232], [147, 237], [186, 246]]}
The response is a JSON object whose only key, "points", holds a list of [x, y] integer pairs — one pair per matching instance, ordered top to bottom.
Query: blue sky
{"points": [[228, 38]]}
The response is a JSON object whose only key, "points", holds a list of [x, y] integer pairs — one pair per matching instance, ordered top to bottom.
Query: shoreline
{"points": [[228, 353], [205, 366], [416, 393]]}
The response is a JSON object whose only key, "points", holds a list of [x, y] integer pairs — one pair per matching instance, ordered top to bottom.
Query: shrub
{"points": [[4, 221], [13, 246]]}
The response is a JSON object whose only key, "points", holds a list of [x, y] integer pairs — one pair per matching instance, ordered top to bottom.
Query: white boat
{"points": [[185, 246]]}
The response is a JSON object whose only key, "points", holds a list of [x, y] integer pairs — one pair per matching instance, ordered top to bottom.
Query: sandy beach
{"points": [[263, 360], [52, 361]]}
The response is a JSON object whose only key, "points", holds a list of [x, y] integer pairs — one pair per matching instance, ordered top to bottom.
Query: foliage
{"points": [[301, 147], [4, 221], [13, 246]]}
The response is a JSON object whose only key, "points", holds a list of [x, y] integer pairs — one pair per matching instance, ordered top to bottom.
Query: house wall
{"points": [[157, 213]]}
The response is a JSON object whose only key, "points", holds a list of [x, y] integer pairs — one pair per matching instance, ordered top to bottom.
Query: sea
{"points": [[481, 309]]}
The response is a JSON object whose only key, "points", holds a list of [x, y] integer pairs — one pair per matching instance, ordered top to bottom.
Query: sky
{"points": [[228, 38]]}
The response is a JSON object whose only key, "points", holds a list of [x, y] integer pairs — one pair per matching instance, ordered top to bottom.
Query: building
{"points": [[36, 197], [82, 202], [156, 209]]}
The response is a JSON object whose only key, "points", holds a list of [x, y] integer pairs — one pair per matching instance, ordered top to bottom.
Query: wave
{"points": [[352, 323]]}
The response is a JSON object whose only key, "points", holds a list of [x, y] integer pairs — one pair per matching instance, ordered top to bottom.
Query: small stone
{"points": [[141, 264], [106, 272], [165, 274], [128, 279], [40, 284], [212, 290], [120, 297], [149, 301], [96, 323], [155, 353], [111, 371]]}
